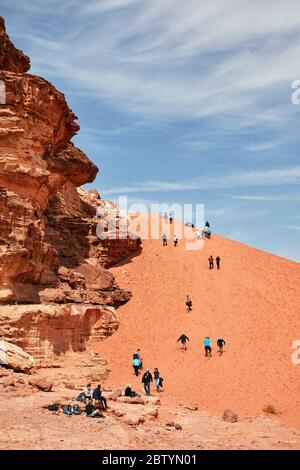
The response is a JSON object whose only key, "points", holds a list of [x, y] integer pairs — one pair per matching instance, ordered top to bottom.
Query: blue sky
{"points": [[181, 102]]}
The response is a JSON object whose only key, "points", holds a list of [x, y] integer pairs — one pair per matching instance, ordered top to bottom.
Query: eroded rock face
{"points": [[11, 58], [49, 249], [46, 331]]}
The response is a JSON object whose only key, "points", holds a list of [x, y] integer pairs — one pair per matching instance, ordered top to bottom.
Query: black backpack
{"points": [[53, 407]]}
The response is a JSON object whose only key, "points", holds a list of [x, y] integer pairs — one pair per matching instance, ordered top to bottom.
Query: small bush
{"points": [[270, 409]]}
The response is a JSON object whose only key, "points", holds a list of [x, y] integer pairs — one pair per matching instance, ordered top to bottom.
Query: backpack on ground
{"points": [[81, 397], [53, 407], [68, 409], [76, 410]]}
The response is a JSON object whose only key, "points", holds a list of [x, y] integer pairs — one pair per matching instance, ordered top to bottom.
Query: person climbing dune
{"points": [[164, 239], [175, 240], [218, 261], [211, 262], [188, 303], [183, 339], [220, 344], [207, 346], [136, 363], [157, 379]]}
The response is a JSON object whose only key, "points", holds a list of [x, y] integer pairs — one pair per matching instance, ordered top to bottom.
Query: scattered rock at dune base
{"points": [[14, 357], [8, 382], [42, 384], [71, 386], [115, 394], [131, 401], [270, 409], [230, 416], [133, 420], [172, 424]]}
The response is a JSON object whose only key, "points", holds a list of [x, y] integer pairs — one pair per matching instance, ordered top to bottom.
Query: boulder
{"points": [[6, 295], [14, 357], [8, 382], [42, 384], [115, 394], [152, 400], [131, 401], [230, 416], [133, 420], [172, 424]]}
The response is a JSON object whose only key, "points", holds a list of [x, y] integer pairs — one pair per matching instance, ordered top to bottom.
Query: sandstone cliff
{"points": [[49, 250]]}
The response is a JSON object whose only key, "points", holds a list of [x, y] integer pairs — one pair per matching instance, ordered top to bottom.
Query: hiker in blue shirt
{"points": [[207, 346], [136, 365]]}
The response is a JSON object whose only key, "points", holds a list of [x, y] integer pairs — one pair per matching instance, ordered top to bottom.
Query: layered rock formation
{"points": [[49, 249], [45, 331]]}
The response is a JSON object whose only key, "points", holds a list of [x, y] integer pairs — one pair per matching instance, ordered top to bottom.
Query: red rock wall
{"points": [[49, 251]]}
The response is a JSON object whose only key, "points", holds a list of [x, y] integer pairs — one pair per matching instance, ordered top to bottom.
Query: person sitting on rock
{"points": [[88, 392], [129, 392], [97, 396], [92, 411]]}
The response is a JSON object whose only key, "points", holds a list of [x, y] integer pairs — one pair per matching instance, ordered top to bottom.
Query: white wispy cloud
{"points": [[172, 59], [289, 175], [268, 198], [292, 227]]}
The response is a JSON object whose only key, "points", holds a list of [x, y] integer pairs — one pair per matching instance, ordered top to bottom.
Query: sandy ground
{"points": [[252, 302], [26, 425]]}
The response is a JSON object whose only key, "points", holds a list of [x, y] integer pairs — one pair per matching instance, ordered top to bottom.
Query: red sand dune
{"points": [[253, 302]]}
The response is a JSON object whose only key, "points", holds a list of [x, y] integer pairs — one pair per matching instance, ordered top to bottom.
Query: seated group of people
{"points": [[95, 401]]}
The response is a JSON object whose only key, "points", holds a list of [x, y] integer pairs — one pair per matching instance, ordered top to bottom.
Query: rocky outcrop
{"points": [[11, 58], [50, 252], [46, 331], [14, 357]]}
